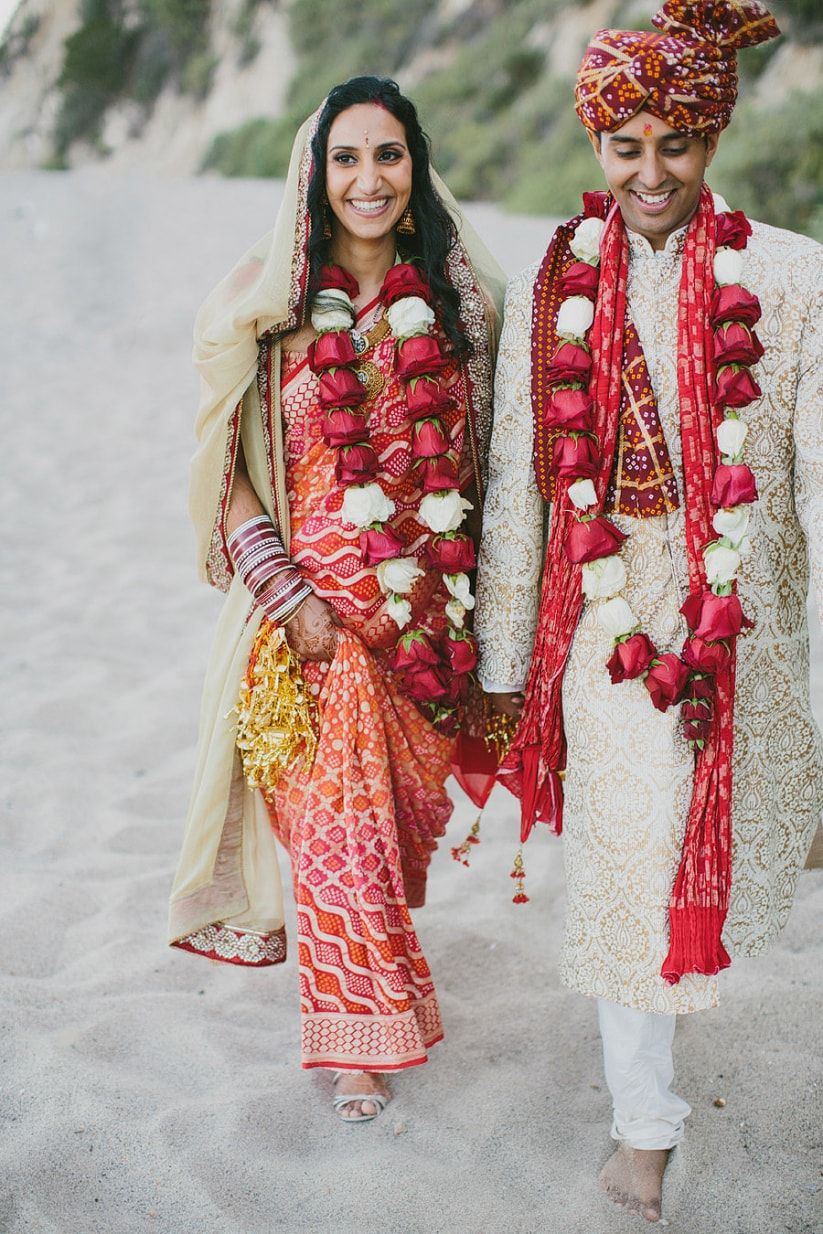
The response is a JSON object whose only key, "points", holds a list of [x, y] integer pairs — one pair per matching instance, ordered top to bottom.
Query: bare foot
{"points": [[360, 1082], [633, 1179]]}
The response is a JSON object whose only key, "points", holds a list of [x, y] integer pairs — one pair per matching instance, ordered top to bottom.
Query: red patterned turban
{"points": [[686, 75]]}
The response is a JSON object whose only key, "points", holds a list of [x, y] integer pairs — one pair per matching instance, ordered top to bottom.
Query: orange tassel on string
{"points": [[461, 852], [519, 875]]}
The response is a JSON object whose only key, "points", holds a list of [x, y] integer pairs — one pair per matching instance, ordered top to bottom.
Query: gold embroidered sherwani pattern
{"points": [[629, 769]]}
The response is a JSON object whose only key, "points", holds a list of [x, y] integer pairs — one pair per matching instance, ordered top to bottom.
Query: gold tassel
{"points": [[406, 226], [277, 717], [461, 852], [519, 875]]}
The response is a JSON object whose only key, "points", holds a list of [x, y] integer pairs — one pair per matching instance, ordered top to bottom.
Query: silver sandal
{"points": [[344, 1099]]}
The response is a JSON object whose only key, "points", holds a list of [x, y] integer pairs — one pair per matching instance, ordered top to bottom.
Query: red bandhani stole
{"points": [[533, 766]]}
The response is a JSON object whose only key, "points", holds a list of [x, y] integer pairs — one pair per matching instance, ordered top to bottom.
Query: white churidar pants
{"points": [[637, 1057]]}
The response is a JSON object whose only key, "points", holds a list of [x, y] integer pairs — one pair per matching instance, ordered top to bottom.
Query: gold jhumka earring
{"points": [[406, 226]]}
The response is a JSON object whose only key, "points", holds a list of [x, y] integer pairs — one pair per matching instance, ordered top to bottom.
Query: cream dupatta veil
{"points": [[227, 898]]}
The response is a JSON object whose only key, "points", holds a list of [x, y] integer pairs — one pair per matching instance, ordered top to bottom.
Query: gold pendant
{"points": [[371, 377]]}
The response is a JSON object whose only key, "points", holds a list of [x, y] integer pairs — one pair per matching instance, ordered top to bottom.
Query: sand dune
{"points": [[146, 1090]]}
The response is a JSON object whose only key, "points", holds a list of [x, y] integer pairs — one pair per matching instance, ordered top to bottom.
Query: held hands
{"points": [[312, 631], [507, 704]]}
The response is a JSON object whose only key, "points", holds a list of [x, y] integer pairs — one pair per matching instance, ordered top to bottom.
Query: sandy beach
{"points": [[149, 1090]]}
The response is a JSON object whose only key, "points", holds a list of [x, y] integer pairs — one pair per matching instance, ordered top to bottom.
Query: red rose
{"points": [[594, 204], [731, 229], [338, 278], [580, 279], [402, 280], [734, 303], [735, 343], [330, 350], [419, 354], [570, 363], [735, 386], [339, 387], [426, 397], [570, 408], [342, 427], [428, 439], [575, 457], [355, 464], [435, 475], [733, 485], [594, 538], [377, 546], [452, 553], [712, 617], [413, 650], [462, 653], [705, 657], [631, 658], [666, 680], [425, 686], [702, 686], [457, 690], [701, 710], [447, 722], [696, 730]]}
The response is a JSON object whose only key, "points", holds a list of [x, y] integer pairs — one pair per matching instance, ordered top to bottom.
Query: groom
{"points": [[655, 496]]}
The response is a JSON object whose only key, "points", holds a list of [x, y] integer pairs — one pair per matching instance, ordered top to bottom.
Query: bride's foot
{"points": [[352, 1093], [633, 1179]]}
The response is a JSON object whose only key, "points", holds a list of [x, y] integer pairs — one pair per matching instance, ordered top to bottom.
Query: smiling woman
{"points": [[344, 433]]}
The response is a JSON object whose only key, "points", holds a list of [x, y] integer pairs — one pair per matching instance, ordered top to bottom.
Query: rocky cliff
{"points": [[182, 85]]}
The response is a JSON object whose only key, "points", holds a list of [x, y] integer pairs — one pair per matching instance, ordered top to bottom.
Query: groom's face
{"points": [[654, 173]]}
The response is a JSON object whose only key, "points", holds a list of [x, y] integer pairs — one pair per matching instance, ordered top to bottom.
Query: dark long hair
{"points": [[435, 233]]}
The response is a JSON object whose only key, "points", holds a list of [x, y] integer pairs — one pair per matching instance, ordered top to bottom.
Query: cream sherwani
{"points": [[629, 769]]}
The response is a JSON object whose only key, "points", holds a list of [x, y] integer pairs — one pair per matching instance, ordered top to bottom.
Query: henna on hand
{"points": [[312, 631], [509, 704]]}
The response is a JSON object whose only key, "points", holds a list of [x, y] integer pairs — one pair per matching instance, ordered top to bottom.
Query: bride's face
{"points": [[368, 171]]}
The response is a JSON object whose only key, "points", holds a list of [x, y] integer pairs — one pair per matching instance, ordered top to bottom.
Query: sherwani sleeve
{"points": [[808, 430], [511, 547]]}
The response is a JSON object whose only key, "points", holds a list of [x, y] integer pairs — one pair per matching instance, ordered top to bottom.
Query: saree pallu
{"points": [[362, 822]]}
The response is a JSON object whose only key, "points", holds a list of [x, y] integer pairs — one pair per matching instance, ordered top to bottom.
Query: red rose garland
{"points": [[715, 616], [436, 676]]}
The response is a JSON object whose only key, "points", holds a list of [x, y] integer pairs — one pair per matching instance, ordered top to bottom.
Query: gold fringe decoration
{"points": [[277, 716], [498, 733]]}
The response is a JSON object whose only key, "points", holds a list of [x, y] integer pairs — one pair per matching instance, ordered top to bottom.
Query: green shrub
{"points": [[259, 148], [770, 163]]}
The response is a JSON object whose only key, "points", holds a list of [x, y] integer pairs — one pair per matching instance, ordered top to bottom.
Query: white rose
{"points": [[721, 206], [585, 243], [728, 266], [332, 309], [409, 316], [575, 316], [731, 434], [582, 494], [364, 504], [444, 511], [732, 522], [721, 564], [398, 574], [604, 577], [458, 586], [399, 610], [456, 612], [616, 618]]}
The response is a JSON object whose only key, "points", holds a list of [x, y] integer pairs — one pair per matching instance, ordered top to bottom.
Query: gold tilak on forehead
{"points": [[647, 130]]}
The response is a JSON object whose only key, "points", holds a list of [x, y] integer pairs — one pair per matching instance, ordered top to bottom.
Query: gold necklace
{"points": [[366, 371]]}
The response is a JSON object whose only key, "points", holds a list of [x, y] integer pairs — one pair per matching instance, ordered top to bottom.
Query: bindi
{"points": [[647, 130], [366, 139]]}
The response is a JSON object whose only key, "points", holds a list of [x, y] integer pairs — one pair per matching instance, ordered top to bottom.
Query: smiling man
{"points": [[655, 494]]}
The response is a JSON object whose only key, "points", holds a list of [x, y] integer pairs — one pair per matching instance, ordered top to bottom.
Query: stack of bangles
{"points": [[260, 560]]}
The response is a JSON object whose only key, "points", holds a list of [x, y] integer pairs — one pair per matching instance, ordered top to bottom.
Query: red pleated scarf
{"points": [[533, 766]]}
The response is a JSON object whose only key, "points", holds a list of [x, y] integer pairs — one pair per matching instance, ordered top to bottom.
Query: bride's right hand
{"points": [[312, 631]]}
